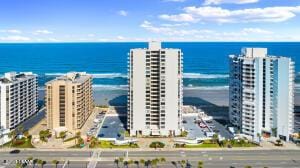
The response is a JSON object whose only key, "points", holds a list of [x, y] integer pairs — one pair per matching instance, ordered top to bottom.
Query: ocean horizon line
{"points": [[82, 42]]}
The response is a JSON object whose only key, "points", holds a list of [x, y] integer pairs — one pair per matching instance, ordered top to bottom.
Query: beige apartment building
{"points": [[69, 101]]}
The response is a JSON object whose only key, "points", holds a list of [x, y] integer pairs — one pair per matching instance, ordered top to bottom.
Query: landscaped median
{"points": [[24, 142], [95, 143], [219, 144]]}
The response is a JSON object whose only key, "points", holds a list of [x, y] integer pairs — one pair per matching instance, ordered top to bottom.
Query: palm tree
{"points": [[20, 129], [12, 135], [63, 135], [77, 136], [259, 136], [215, 138], [30, 158], [121, 159], [162, 159], [116, 161], [130, 161], [142, 161], [34, 162], [41, 162], [55, 162], [153, 162], [137, 163], [182, 163], [125, 164], [200, 164], [19, 165]]}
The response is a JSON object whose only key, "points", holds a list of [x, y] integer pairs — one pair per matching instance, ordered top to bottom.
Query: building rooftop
{"points": [[254, 52], [11, 77], [74, 77]]}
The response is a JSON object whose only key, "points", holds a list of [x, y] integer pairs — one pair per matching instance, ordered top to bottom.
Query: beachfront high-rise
{"points": [[155, 91], [262, 94], [18, 98], [69, 101]]}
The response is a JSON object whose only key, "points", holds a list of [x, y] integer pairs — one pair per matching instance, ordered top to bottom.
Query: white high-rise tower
{"points": [[155, 91], [18, 98], [261, 99]]}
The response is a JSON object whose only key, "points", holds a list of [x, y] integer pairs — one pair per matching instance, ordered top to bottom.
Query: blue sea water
{"points": [[205, 63]]}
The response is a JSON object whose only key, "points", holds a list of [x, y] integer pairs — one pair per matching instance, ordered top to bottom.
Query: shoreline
{"points": [[197, 97]]}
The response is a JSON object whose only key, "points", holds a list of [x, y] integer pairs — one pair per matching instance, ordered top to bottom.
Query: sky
{"points": [[145, 20]]}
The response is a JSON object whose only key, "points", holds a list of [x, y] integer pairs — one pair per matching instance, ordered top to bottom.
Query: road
{"points": [[211, 159]]}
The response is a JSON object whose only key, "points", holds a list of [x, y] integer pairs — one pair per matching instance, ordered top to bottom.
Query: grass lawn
{"points": [[26, 144], [107, 144], [204, 145], [244, 145]]}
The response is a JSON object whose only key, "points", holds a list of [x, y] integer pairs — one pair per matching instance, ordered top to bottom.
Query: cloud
{"points": [[174, 0], [217, 2], [123, 13], [220, 15], [184, 17], [175, 25], [12, 31], [171, 31], [257, 31], [40, 32], [177, 33], [91, 35], [14, 38], [120, 38], [53, 40]]}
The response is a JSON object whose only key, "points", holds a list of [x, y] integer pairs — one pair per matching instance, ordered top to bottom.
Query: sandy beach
{"points": [[196, 97], [214, 102]]}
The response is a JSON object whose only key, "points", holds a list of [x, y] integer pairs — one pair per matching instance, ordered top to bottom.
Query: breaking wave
{"points": [[122, 75]]}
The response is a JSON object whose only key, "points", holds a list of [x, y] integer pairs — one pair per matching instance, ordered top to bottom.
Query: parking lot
{"points": [[96, 123], [113, 127], [195, 131]]}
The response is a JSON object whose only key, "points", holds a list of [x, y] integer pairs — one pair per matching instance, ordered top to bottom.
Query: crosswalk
{"points": [[94, 159]]}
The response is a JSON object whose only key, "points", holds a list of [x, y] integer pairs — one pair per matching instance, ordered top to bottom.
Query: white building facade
{"points": [[155, 91], [261, 93], [18, 98]]}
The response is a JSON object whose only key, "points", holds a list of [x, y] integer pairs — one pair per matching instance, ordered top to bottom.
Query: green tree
{"points": [[26, 134], [78, 134], [12, 135], [63, 135], [215, 138], [80, 141], [30, 158], [121, 159], [162, 159], [116, 161], [41, 162], [55, 162], [153, 162], [182, 163], [200, 164], [19, 165], [248, 166]]}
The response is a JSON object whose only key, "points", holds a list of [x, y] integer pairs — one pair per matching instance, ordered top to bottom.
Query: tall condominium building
{"points": [[155, 91], [262, 94], [18, 98], [69, 101]]}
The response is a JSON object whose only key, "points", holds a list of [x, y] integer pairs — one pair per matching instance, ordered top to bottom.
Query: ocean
{"points": [[205, 63]]}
